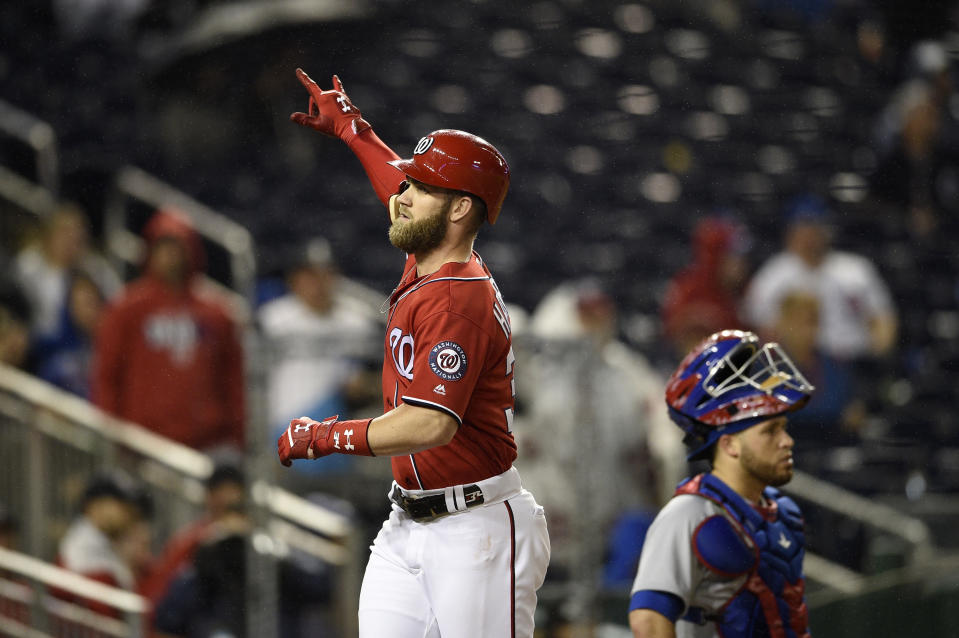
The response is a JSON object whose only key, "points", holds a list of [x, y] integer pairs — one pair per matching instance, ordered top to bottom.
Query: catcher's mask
{"points": [[730, 382]]}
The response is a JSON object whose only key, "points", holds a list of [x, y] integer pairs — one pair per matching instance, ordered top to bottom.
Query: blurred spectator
{"points": [[916, 139], [43, 268], [704, 297], [857, 317], [14, 324], [321, 336], [14, 338], [320, 341], [167, 357], [64, 358], [835, 410], [595, 424], [224, 504], [109, 507], [9, 529], [134, 545], [208, 597]]}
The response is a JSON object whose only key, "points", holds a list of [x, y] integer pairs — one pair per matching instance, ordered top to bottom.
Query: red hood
{"points": [[172, 223], [713, 238]]}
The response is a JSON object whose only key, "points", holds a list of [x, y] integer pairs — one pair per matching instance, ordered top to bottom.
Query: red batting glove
{"points": [[330, 112], [309, 439]]}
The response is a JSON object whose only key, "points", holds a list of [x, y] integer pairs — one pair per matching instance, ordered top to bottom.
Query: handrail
{"points": [[219, 24], [39, 136], [137, 183], [36, 200], [68, 406], [174, 455], [877, 515], [73, 583]]}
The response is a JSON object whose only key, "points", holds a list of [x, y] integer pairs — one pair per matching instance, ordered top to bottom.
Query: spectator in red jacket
{"points": [[703, 298], [168, 357], [224, 514]]}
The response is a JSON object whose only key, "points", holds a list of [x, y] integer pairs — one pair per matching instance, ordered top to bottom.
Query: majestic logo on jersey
{"points": [[423, 145], [401, 346], [448, 361], [440, 389]]}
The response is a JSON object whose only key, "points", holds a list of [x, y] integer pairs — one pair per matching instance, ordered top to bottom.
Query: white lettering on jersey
{"points": [[499, 310], [177, 334], [401, 347], [336, 440]]}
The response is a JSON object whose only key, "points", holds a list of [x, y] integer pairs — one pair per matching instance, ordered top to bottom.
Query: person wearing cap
{"points": [[857, 316], [320, 339], [168, 356], [110, 505], [224, 512], [465, 547], [724, 557]]}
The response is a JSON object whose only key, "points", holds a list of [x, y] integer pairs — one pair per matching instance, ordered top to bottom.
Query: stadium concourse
{"points": [[623, 123]]}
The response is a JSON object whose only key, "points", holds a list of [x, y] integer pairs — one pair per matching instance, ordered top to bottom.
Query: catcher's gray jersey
{"points": [[668, 563]]}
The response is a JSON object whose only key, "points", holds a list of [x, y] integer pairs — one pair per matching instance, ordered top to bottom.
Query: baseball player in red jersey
{"points": [[465, 547]]}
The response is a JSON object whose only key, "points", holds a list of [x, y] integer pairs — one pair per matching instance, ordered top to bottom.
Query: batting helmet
{"points": [[460, 161], [731, 382]]}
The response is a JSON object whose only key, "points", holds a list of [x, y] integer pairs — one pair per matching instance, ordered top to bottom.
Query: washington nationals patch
{"points": [[448, 361]]}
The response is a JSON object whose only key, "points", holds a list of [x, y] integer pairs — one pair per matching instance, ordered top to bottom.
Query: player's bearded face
{"points": [[423, 235], [765, 456]]}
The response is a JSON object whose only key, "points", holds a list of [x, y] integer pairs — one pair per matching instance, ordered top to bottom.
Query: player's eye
{"points": [[403, 187]]}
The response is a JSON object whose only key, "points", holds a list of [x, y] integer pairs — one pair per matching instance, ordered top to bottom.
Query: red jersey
{"points": [[448, 348]]}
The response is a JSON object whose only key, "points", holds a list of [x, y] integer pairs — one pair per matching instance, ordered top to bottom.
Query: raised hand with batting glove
{"points": [[330, 112], [306, 438]]}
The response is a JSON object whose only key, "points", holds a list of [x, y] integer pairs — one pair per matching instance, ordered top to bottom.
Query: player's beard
{"points": [[418, 237], [773, 474]]}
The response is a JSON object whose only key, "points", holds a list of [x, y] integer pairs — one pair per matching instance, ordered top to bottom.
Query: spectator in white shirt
{"points": [[858, 319]]}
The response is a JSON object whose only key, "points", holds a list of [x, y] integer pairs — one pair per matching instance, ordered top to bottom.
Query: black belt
{"points": [[421, 508]]}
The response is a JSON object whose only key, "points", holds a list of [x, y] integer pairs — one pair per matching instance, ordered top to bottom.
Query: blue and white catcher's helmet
{"points": [[730, 382]]}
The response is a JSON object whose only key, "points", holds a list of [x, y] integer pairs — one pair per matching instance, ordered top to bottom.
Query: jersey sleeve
{"points": [[375, 156], [449, 354], [669, 571]]}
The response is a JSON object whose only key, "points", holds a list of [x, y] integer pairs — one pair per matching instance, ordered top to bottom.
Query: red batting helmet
{"points": [[460, 161]]}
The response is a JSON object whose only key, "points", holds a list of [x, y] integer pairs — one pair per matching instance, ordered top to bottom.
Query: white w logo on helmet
{"points": [[423, 145]]}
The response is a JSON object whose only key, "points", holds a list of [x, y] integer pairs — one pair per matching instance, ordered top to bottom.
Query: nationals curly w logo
{"points": [[423, 145], [448, 361]]}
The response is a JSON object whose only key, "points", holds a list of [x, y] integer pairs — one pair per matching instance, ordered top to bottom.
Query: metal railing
{"points": [[39, 137], [124, 245], [51, 442], [879, 516], [38, 600]]}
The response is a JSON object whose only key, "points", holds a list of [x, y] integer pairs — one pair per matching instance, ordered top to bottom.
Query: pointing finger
{"points": [[306, 80], [337, 84]]}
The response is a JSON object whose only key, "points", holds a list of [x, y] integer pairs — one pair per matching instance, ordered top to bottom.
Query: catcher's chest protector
{"points": [[768, 547]]}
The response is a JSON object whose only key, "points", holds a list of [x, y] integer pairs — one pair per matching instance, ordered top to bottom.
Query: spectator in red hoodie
{"points": [[703, 298], [168, 357]]}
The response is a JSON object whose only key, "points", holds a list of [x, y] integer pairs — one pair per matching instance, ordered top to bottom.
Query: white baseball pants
{"points": [[473, 574]]}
